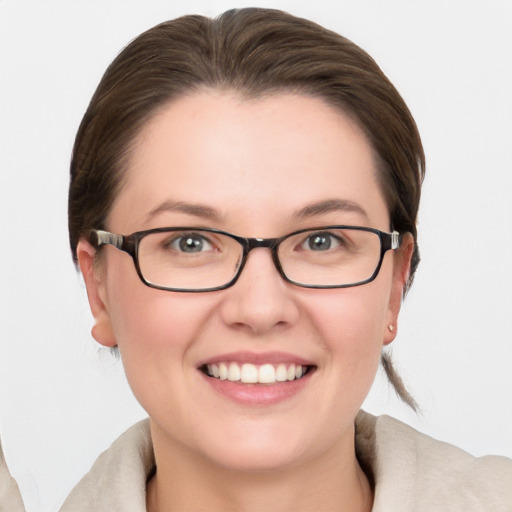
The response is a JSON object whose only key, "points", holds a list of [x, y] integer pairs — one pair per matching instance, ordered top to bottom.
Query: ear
{"points": [[401, 268], [94, 281]]}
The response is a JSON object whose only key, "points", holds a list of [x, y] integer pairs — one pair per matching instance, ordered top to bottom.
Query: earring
{"points": [[391, 327]]}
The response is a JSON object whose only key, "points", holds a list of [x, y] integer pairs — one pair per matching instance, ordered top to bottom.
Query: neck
{"points": [[185, 481]]}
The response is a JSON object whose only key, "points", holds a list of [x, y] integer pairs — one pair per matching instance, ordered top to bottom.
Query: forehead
{"points": [[248, 158]]}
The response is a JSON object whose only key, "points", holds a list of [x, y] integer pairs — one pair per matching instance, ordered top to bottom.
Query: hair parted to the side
{"points": [[252, 52]]}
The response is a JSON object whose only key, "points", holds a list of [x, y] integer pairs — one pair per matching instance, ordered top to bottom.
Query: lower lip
{"points": [[258, 394]]}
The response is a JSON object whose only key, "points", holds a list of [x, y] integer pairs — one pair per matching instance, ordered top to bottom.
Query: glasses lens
{"points": [[330, 257], [189, 260]]}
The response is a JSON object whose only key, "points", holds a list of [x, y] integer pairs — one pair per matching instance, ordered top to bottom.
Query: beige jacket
{"points": [[412, 472], [10, 497]]}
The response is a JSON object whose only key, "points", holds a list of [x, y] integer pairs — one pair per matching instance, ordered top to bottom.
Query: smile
{"points": [[248, 373]]}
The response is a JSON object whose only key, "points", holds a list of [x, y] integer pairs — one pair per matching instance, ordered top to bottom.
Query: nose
{"points": [[260, 301]]}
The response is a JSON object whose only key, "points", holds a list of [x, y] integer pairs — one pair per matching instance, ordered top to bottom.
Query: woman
{"points": [[243, 204]]}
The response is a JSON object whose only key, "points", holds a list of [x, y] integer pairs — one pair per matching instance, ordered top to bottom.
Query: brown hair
{"points": [[254, 52]]}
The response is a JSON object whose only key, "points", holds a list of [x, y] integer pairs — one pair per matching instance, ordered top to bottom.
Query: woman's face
{"points": [[258, 168]]}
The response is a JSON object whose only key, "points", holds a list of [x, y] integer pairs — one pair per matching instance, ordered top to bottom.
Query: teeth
{"points": [[223, 371], [234, 372], [249, 373], [281, 373], [252, 374], [266, 374]]}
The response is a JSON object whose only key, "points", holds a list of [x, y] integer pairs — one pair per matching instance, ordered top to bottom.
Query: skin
{"points": [[256, 163]]}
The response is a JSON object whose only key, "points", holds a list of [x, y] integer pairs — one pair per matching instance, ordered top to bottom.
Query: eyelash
{"points": [[177, 239], [340, 241]]}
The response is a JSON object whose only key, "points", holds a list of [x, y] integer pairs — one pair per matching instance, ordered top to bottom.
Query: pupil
{"points": [[319, 242], [191, 244]]}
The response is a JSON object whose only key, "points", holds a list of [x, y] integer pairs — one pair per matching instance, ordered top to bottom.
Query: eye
{"points": [[322, 241], [190, 243]]}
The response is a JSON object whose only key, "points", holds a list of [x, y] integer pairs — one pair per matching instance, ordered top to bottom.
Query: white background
{"points": [[63, 401]]}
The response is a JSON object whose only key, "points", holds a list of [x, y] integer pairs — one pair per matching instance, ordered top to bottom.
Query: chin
{"points": [[264, 449], [256, 459]]}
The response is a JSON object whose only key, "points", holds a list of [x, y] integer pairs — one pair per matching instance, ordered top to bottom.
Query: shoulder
{"points": [[413, 471], [117, 480], [10, 497]]}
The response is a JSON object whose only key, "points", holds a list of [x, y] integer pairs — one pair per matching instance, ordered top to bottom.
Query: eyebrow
{"points": [[328, 206], [195, 209], [310, 210]]}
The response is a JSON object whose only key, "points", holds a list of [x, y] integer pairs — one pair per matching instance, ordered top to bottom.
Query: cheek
{"points": [[353, 316], [144, 318], [149, 323], [351, 323], [155, 331], [155, 339]]}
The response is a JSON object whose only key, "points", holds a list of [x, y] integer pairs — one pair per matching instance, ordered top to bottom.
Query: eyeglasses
{"points": [[189, 259]]}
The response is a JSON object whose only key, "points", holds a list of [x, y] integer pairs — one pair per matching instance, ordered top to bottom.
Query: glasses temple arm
{"points": [[104, 238], [396, 239]]}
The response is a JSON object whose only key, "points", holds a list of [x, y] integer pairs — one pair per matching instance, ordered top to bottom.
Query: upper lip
{"points": [[272, 357]]}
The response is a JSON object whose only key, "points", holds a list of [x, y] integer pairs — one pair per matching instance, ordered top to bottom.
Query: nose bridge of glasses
{"points": [[253, 243], [264, 243]]}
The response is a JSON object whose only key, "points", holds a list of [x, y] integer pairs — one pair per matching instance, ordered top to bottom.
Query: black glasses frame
{"points": [[130, 245]]}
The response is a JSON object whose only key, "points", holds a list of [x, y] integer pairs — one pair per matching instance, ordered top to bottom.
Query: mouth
{"points": [[248, 373]]}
